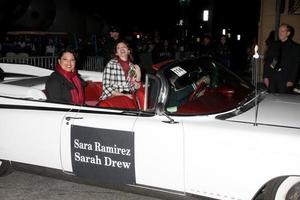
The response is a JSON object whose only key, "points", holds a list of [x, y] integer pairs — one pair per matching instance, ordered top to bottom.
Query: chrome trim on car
{"points": [[246, 105]]}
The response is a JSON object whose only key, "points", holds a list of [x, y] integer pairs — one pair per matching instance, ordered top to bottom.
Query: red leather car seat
{"points": [[93, 92], [122, 102]]}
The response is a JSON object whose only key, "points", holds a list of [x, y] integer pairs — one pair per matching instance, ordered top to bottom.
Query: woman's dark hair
{"points": [[271, 38], [67, 50]]}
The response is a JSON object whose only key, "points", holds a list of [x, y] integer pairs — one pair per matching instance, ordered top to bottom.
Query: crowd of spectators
{"points": [[31, 45], [148, 49], [154, 50]]}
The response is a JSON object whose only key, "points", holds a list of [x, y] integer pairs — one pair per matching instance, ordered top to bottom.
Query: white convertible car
{"points": [[200, 130]]}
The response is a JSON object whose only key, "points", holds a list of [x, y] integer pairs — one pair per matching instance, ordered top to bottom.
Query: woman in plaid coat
{"points": [[121, 76]]}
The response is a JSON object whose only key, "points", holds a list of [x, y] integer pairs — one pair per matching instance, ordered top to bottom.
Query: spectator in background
{"points": [[110, 43], [7, 46], [29, 47], [206, 47], [50, 48], [163, 51], [223, 51], [145, 57], [281, 63], [64, 84]]}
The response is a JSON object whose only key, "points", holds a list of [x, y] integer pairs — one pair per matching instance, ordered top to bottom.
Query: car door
{"points": [[30, 131], [98, 144], [113, 146], [159, 152]]}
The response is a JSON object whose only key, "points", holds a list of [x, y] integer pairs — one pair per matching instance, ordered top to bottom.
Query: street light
{"points": [[205, 15], [223, 31]]}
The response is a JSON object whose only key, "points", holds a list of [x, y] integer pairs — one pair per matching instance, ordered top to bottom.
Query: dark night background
{"points": [[134, 15], [240, 16], [84, 18]]}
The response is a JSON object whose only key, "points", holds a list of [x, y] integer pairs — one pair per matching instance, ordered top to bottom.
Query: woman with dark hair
{"points": [[270, 39], [121, 77], [64, 84]]}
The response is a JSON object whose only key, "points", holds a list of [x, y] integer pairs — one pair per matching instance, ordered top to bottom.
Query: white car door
{"points": [[30, 131], [98, 144], [115, 147], [159, 152]]}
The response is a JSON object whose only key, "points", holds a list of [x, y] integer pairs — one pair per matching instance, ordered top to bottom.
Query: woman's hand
{"points": [[289, 84], [122, 94], [128, 95]]}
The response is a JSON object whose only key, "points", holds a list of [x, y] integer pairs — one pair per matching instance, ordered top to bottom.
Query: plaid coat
{"points": [[114, 79]]}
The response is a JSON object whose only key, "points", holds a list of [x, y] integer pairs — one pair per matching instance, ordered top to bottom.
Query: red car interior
{"points": [[93, 92]]}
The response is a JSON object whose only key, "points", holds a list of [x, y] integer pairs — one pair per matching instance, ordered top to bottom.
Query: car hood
{"points": [[274, 109]]}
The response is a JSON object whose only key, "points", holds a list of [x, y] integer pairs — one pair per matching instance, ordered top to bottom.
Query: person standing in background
{"points": [[110, 43], [50, 48], [163, 51], [223, 51], [281, 63]]}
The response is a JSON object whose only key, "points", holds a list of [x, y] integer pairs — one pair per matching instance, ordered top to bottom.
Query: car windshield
{"points": [[202, 86]]}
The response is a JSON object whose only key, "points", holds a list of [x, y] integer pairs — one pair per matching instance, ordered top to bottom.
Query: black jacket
{"points": [[289, 62], [58, 88]]}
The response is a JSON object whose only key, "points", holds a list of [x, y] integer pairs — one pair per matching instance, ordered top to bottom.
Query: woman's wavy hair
{"points": [[130, 56]]}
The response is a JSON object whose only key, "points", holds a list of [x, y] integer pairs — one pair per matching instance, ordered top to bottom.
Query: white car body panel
{"points": [[25, 69], [22, 92], [272, 110], [23, 141], [252, 153]]}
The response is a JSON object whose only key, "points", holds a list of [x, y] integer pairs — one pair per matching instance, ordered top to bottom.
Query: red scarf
{"points": [[125, 66], [77, 92]]}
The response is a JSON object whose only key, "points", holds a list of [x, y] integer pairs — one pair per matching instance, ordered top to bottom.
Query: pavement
{"points": [[25, 186]]}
